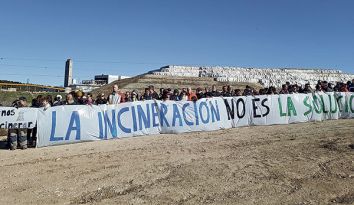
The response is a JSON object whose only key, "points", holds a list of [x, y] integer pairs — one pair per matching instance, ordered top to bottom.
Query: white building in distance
{"points": [[265, 76]]}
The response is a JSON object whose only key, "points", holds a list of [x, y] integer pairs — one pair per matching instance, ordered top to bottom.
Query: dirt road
{"points": [[307, 163]]}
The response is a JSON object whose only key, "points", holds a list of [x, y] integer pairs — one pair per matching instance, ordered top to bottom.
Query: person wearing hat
{"points": [[80, 97], [58, 100], [17, 137]]}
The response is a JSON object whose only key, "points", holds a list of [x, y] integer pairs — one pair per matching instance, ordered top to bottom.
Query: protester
{"points": [[351, 86], [318, 88], [344, 88], [284, 89], [307, 89], [214, 91], [247, 91], [237, 92], [161, 93], [153, 94], [147, 95], [165, 95], [183, 95], [135, 96], [175, 96], [191, 96], [116, 97], [127, 97], [50, 99], [70, 99], [89, 99], [58, 100], [101, 100], [45, 102], [18, 137]]}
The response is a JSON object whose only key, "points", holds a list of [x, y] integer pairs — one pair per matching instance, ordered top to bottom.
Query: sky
{"points": [[132, 37]]}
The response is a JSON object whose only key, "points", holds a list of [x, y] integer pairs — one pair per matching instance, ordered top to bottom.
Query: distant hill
{"points": [[142, 81]]}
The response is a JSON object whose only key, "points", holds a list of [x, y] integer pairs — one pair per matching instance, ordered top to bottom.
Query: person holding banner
{"points": [[18, 136]]}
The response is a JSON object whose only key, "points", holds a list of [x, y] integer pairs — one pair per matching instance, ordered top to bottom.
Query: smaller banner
{"points": [[14, 118]]}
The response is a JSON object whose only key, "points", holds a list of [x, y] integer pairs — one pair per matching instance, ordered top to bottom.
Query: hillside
{"points": [[142, 81]]}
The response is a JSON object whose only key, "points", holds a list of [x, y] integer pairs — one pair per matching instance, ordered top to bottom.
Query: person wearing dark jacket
{"points": [[153, 93], [70, 99], [58, 100], [101, 100], [17, 137]]}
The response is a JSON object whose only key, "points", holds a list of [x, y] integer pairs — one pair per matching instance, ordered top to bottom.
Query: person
{"points": [[351, 86], [326, 87], [318, 88], [344, 88], [284, 89], [291, 89], [307, 89], [214, 91], [226, 91], [247, 91], [237, 92], [153, 93], [161, 93], [200, 93], [207, 93], [147, 94], [165, 95], [183, 95], [134, 96], [175, 96], [191, 96], [79, 97], [116, 97], [127, 97], [50, 99], [70, 99], [89, 99], [58, 100], [83, 100], [101, 100], [36, 101], [45, 102], [32, 133], [17, 137]]}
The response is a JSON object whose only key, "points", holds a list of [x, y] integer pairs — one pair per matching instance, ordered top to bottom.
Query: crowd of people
{"points": [[184, 94], [187, 94], [19, 137]]}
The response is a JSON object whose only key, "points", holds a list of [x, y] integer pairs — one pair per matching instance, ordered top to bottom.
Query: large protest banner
{"points": [[13, 118], [70, 124]]}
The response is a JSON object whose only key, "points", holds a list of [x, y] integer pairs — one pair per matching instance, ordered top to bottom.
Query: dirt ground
{"points": [[307, 163]]}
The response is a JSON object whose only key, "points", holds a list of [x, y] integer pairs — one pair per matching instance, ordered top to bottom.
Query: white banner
{"points": [[14, 118], [76, 123]]}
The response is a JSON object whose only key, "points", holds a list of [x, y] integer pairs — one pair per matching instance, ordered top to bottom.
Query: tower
{"points": [[68, 78]]}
